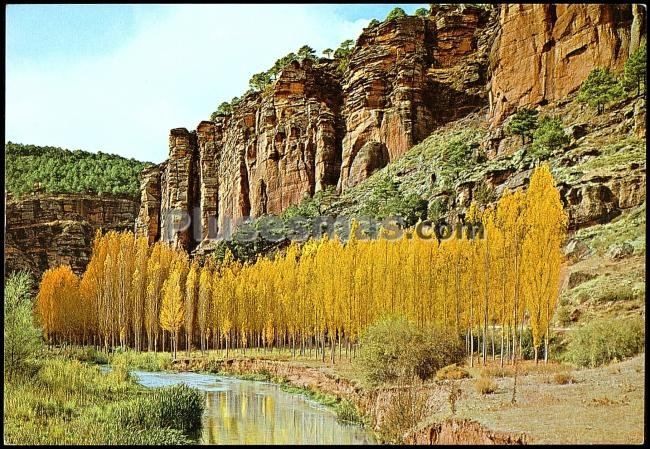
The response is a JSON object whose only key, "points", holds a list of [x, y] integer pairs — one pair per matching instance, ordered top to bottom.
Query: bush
{"points": [[421, 12], [396, 13], [635, 70], [388, 200], [22, 339], [603, 341], [394, 349], [85, 354], [146, 361], [452, 372], [563, 378], [485, 385], [177, 407], [346, 412], [404, 412]]}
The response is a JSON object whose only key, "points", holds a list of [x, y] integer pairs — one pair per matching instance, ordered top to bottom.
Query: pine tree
{"points": [[635, 77], [600, 88]]}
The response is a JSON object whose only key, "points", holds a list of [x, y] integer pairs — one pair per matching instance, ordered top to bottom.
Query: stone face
{"points": [[544, 52], [405, 77], [315, 127], [277, 148], [178, 185], [600, 198], [148, 221], [44, 231]]}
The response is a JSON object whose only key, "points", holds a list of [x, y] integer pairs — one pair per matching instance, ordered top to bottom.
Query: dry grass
{"points": [[524, 368], [452, 372], [563, 378], [485, 385]]}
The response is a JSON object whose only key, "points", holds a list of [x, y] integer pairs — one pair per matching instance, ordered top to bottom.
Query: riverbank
{"points": [[60, 401], [554, 403], [372, 406]]}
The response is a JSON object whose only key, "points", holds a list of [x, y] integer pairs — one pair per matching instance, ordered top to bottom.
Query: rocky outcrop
{"points": [[544, 52], [406, 77], [315, 127], [277, 148], [599, 199], [148, 221], [43, 231], [462, 431]]}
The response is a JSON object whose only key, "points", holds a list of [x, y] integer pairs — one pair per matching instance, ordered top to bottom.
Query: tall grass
{"points": [[146, 361], [64, 401]]}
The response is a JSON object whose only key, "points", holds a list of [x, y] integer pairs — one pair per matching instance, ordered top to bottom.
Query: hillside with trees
{"points": [[32, 168]]}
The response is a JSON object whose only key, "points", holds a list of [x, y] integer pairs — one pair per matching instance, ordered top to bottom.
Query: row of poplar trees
{"points": [[322, 294]]}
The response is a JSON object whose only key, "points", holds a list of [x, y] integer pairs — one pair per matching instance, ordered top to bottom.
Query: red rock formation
{"points": [[544, 52], [407, 76], [314, 128], [277, 148], [148, 221], [43, 231], [462, 431]]}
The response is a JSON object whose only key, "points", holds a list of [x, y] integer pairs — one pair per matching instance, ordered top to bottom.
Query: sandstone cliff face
{"points": [[544, 52], [405, 78], [315, 128], [277, 148], [43, 231]]}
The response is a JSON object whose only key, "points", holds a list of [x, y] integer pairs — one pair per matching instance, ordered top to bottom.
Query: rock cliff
{"points": [[542, 53], [315, 127], [46, 230]]}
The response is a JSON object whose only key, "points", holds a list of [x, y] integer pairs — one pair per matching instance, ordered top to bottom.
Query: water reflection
{"points": [[245, 412]]}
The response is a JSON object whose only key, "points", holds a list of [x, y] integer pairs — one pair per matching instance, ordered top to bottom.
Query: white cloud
{"points": [[173, 73]]}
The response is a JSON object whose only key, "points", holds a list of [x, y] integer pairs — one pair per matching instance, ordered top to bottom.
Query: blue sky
{"points": [[116, 78]]}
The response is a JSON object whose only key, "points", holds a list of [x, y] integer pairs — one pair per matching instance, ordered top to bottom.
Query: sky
{"points": [[117, 78]]}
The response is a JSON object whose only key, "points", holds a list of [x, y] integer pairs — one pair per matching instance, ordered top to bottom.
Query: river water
{"points": [[247, 412]]}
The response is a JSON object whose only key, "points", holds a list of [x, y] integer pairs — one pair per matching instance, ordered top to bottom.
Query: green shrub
{"points": [[421, 12], [396, 13], [373, 23], [635, 71], [523, 123], [388, 200], [22, 339], [603, 341], [394, 349], [85, 354], [146, 361], [178, 407], [346, 412], [151, 436]]}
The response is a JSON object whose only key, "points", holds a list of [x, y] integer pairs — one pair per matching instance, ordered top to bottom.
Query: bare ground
{"points": [[602, 405]]}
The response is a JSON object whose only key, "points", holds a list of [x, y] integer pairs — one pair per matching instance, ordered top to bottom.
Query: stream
{"points": [[249, 412]]}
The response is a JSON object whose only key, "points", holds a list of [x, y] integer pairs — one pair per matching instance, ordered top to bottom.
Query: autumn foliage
{"points": [[321, 294]]}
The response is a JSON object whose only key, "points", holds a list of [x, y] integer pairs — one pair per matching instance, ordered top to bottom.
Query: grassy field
{"points": [[63, 401]]}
